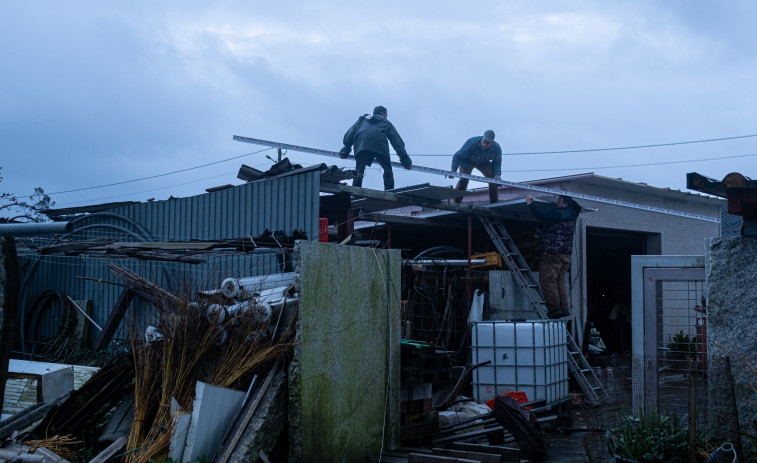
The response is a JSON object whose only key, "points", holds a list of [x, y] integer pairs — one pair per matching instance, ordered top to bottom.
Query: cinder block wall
{"points": [[731, 286], [344, 378]]}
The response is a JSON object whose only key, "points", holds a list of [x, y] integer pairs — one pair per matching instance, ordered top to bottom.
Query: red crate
{"points": [[323, 230], [520, 396]]}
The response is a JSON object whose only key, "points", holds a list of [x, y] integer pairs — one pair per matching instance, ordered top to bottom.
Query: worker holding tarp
{"points": [[484, 154]]}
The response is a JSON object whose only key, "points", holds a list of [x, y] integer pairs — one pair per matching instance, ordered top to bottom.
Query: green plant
{"points": [[683, 347], [649, 436]]}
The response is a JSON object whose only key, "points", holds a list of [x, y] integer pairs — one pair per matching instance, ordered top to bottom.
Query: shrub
{"points": [[649, 436]]}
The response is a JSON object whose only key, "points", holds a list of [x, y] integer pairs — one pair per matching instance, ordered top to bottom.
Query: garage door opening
{"points": [[608, 283]]}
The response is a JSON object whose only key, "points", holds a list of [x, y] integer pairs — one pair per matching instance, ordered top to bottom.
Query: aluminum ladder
{"points": [[579, 367]]}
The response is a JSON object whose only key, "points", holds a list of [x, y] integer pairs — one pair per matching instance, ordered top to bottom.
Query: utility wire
{"points": [[614, 149], [447, 155], [635, 165], [155, 176], [145, 191]]}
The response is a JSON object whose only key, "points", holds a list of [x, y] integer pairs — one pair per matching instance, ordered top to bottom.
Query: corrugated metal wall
{"points": [[286, 204]]}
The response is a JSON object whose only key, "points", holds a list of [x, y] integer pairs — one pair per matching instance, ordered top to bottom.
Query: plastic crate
{"points": [[323, 230], [493, 260]]}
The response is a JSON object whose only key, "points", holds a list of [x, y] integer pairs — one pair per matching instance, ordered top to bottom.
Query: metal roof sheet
{"points": [[423, 191]]}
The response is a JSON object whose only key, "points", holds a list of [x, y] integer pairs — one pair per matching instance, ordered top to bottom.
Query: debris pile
{"points": [[158, 400]]}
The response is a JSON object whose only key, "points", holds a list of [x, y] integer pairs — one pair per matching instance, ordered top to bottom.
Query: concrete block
{"points": [[344, 378], [53, 379]]}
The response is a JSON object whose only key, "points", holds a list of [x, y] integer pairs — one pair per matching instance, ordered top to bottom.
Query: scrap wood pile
{"points": [[191, 252], [132, 405]]}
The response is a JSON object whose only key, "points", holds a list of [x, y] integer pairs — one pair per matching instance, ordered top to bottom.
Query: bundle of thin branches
{"points": [[156, 295], [188, 338], [247, 348], [190, 351], [147, 361], [63, 446]]}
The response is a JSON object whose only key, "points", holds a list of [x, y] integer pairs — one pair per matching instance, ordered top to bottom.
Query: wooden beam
{"points": [[114, 319], [243, 419], [110, 451], [467, 454], [508, 454], [426, 458]]}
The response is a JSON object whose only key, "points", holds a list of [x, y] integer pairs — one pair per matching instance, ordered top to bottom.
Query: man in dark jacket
{"points": [[368, 137], [484, 154], [557, 245]]}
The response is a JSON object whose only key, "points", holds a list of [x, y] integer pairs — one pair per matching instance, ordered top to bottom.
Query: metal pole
{"points": [[279, 150], [478, 178], [21, 229], [468, 279], [692, 417]]}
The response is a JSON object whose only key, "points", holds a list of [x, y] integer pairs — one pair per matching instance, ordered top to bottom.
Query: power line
{"points": [[613, 149], [636, 165], [155, 176], [156, 189], [147, 191]]}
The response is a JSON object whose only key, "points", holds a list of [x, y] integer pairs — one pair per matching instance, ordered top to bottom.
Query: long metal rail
{"points": [[523, 186]]}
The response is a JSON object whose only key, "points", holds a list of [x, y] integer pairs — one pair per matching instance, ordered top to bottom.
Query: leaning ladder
{"points": [[579, 367]]}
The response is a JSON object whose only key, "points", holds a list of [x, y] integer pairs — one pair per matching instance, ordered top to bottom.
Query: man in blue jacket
{"points": [[368, 137], [484, 154], [557, 244]]}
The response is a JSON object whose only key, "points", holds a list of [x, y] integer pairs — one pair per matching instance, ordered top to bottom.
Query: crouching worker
{"points": [[368, 138], [484, 154]]}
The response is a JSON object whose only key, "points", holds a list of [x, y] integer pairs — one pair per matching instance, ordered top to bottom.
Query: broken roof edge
{"points": [[329, 174], [91, 209]]}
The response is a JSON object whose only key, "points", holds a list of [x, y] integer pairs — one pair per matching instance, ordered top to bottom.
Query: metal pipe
{"points": [[139, 227], [25, 229], [470, 252], [84, 313], [692, 416]]}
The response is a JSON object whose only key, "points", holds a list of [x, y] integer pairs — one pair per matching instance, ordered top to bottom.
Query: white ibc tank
{"points": [[529, 356]]}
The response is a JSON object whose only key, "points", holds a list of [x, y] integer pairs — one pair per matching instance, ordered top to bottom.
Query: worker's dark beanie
{"points": [[379, 110], [488, 135]]}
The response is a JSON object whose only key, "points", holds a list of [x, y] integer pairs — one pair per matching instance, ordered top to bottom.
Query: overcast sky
{"points": [[98, 92]]}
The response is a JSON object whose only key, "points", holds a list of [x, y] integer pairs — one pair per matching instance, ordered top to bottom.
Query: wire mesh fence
{"points": [[669, 392]]}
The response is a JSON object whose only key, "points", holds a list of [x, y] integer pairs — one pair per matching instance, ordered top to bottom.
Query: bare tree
{"points": [[15, 210]]}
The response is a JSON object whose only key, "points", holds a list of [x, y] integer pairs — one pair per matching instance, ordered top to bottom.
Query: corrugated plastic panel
{"points": [[285, 204], [730, 225]]}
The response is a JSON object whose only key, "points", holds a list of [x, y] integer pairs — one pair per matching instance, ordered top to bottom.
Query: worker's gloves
{"points": [[344, 153], [406, 161]]}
